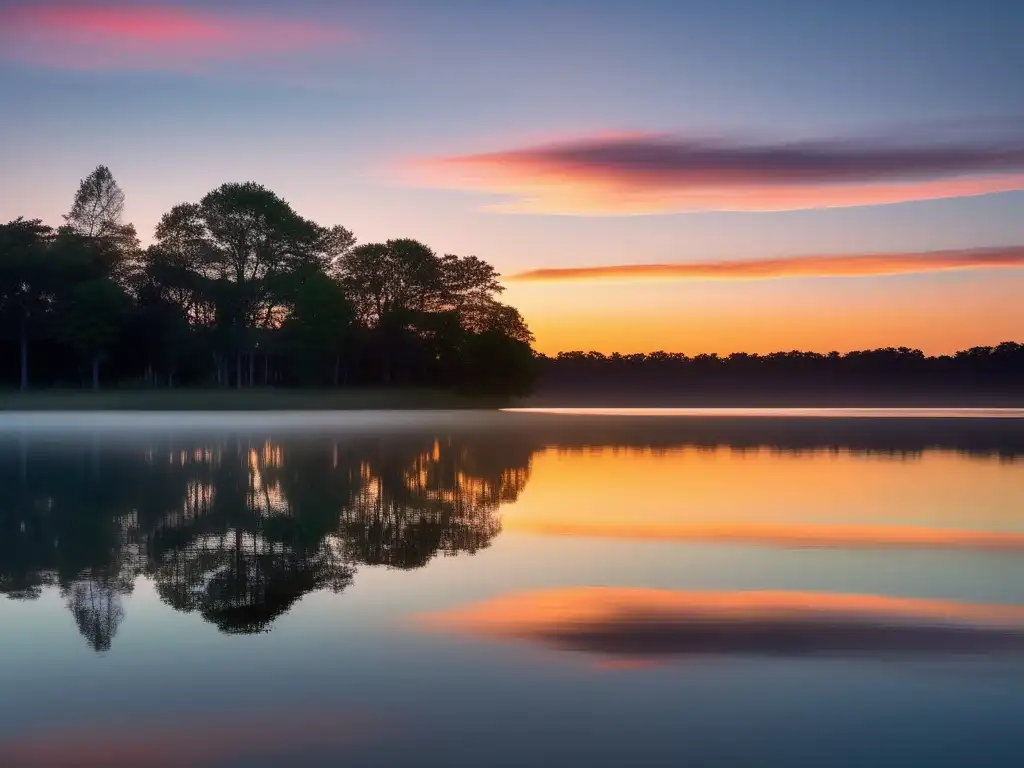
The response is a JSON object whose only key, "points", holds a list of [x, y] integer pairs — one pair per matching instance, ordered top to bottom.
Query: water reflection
{"points": [[238, 530], [641, 624]]}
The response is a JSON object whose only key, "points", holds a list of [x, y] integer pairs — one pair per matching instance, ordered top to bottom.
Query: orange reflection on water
{"points": [[821, 498], [819, 536], [527, 612], [641, 624]]}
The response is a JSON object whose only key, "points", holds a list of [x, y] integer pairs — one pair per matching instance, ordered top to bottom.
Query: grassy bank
{"points": [[242, 400]]}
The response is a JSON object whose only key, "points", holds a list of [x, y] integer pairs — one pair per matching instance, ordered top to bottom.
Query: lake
{"points": [[805, 588]]}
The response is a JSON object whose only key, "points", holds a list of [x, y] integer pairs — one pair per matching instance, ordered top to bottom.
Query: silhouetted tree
{"points": [[96, 215], [240, 241], [26, 284], [91, 320], [318, 325], [802, 377]]}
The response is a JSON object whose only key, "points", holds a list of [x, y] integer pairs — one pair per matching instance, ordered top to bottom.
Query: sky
{"points": [[687, 176]]}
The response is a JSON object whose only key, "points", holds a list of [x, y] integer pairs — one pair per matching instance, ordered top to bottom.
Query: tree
{"points": [[98, 206], [96, 214], [240, 241], [234, 278], [393, 278], [26, 285], [470, 289], [92, 320], [508, 322], [318, 324], [498, 364]]}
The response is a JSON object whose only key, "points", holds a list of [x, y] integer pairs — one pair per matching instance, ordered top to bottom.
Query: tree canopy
{"points": [[240, 290]]}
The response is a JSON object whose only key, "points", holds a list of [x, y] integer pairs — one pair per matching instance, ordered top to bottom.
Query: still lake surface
{"points": [[511, 589]]}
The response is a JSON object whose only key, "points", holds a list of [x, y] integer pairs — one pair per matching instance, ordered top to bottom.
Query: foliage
{"points": [[238, 289]]}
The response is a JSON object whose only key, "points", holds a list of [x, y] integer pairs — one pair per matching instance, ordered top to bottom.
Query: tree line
{"points": [[239, 290], [996, 371]]}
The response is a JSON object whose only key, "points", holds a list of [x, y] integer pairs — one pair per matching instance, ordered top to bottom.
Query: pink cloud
{"points": [[120, 36], [652, 173], [832, 265]]}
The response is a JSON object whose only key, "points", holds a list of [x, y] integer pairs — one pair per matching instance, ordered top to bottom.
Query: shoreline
{"points": [[260, 400]]}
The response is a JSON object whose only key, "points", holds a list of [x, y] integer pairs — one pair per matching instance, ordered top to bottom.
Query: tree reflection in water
{"points": [[239, 530]]}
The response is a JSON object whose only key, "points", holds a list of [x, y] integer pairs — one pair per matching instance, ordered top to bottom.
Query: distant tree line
{"points": [[239, 290], [997, 371]]}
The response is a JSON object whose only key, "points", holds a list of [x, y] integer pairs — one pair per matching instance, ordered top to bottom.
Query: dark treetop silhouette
{"points": [[239, 290]]}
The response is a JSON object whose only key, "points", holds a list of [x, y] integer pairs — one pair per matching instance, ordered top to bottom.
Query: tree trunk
{"points": [[24, 359], [252, 369], [337, 370], [95, 371], [238, 371]]}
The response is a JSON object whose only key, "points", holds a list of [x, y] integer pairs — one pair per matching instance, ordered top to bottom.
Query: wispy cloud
{"points": [[129, 36], [655, 173], [836, 265], [649, 623]]}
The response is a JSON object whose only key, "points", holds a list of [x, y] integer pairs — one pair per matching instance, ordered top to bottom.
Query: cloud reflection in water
{"points": [[641, 624]]}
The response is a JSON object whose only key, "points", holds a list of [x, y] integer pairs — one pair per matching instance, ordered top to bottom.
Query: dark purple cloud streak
{"points": [[651, 173]]}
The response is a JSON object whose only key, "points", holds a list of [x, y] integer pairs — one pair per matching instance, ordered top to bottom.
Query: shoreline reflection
{"points": [[239, 528]]}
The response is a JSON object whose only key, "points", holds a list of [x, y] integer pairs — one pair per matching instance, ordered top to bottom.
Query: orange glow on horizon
{"points": [[770, 315]]}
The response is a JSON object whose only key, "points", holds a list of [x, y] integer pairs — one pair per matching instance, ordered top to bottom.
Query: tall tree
{"points": [[98, 206], [96, 214], [241, 240], [396, 277], [26, 285], [92, 320], [318, 325]]}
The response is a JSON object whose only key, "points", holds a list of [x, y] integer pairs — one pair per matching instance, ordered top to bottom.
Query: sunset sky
{"points": [[697, 177]]}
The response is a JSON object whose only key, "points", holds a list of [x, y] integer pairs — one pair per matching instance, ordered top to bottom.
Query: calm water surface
{"points": [[511, 589]]}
